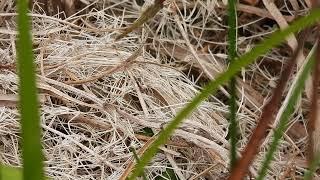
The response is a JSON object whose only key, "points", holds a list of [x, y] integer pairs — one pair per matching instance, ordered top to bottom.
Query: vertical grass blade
{"points": [[275, 39], [232, 52], [28, 103], [284, 118], [136, 157], [312, 168]]}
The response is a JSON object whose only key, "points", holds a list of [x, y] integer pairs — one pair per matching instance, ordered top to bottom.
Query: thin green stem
{"points": [[232, 52], [29, 106], [135, 155], [312, 168], [1, 173]]}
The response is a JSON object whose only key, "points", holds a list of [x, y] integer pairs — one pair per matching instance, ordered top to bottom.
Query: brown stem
{"points": [[313, 114]]}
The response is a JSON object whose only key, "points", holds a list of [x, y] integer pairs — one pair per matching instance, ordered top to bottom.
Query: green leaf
{"points": [[275, 39], [28, 102], [12, 173]]}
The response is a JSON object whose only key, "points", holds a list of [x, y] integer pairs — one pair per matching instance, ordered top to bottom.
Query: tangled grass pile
{"points": [[101, 98]]}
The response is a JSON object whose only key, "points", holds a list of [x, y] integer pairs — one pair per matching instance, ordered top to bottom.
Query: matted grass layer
{"points": [[99, 97]]}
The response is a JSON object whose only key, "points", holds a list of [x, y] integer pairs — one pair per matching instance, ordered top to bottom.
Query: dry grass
{"points": [[97, 94]]}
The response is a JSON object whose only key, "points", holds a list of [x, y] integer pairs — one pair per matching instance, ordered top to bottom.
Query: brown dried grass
{"points": [[88, 126]]}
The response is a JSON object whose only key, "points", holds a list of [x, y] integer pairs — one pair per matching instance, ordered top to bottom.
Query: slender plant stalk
{"points": [[149, 13], [275, 39], [232, 53], [28, 103], [284, 118], [313, 148], [135, 155], [312, 167]]}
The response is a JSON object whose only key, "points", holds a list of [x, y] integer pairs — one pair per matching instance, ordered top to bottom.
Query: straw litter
{"points": [[100, 97]]}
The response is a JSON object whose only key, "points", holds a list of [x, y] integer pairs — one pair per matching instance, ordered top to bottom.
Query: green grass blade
{"points": [[275, 39], [232, 51], [28, 103], [284, 118], [136, 157], [312, 168], [12, 173]]}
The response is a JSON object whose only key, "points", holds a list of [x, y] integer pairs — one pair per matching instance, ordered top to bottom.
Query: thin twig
{"points": [[129, 61]]}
